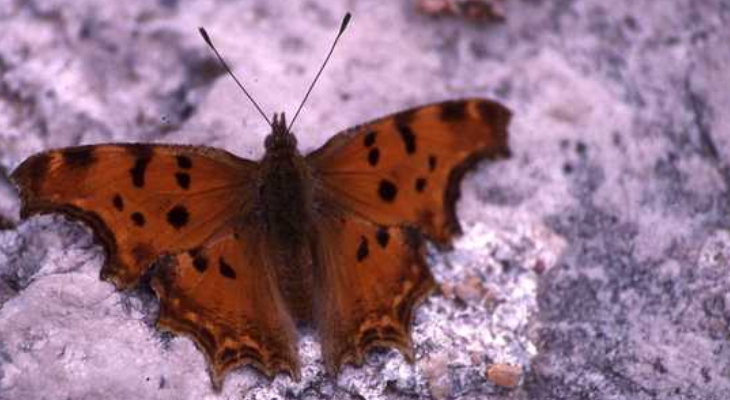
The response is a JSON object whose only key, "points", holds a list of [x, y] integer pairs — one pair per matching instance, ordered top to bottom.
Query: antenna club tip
{"points": [[345, 22], [204, 34]]}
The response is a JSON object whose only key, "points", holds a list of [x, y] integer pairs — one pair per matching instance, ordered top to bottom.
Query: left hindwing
{"points": [[406, 168]]}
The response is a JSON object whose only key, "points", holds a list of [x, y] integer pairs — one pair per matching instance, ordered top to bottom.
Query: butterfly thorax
{"points": [[284, 198], [284, 202]]}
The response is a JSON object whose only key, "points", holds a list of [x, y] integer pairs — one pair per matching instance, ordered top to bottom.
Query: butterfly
{"points": [[241, 252]]}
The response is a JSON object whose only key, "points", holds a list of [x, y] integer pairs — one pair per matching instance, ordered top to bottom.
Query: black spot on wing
{"points": [[453, 111], [405, 117], [408, 137], [369, 139], [142, 155], [373, 156], [78, 157], [184, 162], [432, 162], [138, 172], [183, 180], [420, 184], [387, 191], [118, 202], [178, 216], [138, 218], [382, 236], [362, 249], [200, 261], [225, 269]]}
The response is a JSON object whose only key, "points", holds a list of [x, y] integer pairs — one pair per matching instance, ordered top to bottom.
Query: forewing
{"points": [[406, 168], [141, 200]]}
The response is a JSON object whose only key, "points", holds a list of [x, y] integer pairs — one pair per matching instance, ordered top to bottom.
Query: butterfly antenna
{"points": [[345, 21], [205, 36]]}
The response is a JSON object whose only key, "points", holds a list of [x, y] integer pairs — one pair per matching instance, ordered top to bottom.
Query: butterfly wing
{"points": [[406, 168], [378, 186], [140, 200], [179, 206], [369, 279], [223, 296]]}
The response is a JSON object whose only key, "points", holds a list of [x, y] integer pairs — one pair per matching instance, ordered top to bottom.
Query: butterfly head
{"points": [[280, 137]]}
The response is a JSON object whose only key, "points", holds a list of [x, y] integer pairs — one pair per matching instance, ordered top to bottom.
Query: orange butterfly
{"points": [[239, 252]]}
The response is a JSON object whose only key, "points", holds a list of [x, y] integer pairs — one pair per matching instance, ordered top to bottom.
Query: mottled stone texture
{"points": [[597, 257]]}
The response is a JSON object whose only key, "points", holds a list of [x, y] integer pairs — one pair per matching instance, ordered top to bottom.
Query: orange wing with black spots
{"points": [[406, 168], [380, 185], [140, 200], [179, 208], [369, 279], [223, 295]]}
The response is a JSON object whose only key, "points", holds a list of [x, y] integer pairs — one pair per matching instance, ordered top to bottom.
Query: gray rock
{"points": [[596, 258]]}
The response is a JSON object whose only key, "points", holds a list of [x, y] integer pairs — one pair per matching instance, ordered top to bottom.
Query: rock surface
{"points": [[596, 259]]}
